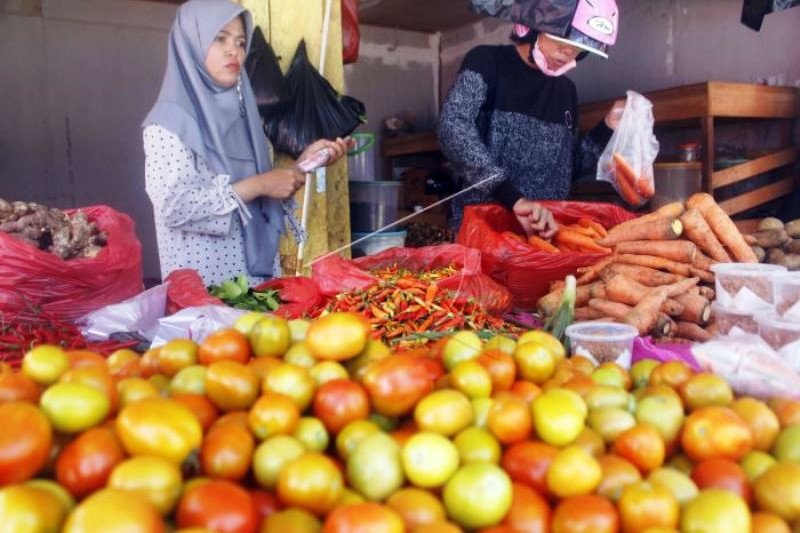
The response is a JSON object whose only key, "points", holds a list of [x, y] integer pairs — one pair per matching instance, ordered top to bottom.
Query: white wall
{"points": [[666, 43], [397, 73], [78, 78]]}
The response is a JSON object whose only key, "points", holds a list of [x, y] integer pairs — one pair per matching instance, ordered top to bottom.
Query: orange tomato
{"points": [[270, 336], [337, 336], [224, 345], [176, 354], [85, 358], [123, 363], [262, 365], [501, 367], [672, 373], [96, 377], [396, 384], [14, 386], [231, 386], [526, 390], [339, 402], [200, 406], [787, 410], [273, 414], [509, 419], [762, 421], [159, 427], [716, 432], [25, 442], [641, 445], [227, 452], [528, 462], [85, 464], [573, 472], [618, 473], [722, 473], [312, 482], [778, 490], [219, 505], [644, 505], [416, 507], [30, 508], [114, 510], [529, 510], [716, 510], [585, 513], [363, 517], [769, 523]]}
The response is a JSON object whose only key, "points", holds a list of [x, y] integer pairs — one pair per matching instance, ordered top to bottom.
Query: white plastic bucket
{"points": [[361, 159]]}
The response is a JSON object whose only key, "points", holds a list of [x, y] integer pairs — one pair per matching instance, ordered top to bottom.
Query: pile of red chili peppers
{"points": [[404, 303], [17, 337]]}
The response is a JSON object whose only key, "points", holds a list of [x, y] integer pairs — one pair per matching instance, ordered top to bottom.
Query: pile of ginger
{"points": [[50, 229]]}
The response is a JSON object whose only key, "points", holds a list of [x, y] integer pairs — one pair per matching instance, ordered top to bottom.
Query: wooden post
{"points": [[285, 23]]}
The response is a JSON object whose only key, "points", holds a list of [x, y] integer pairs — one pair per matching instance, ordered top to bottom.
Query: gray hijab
{"points": [[208, 119]]}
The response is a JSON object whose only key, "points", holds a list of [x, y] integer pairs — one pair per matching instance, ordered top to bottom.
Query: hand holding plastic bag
{"points": [[627, 161]]}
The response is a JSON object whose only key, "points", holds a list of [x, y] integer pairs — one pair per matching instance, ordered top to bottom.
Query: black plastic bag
{"points": [[266, 78], [316, 110]]}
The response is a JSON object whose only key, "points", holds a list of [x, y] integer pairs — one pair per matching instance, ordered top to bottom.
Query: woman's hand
{"points": [[615, 114], [338, 148], [281, 183], [535, 218]]}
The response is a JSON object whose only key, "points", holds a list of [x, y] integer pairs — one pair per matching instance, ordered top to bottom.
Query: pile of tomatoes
{"points": [[296, 426]]}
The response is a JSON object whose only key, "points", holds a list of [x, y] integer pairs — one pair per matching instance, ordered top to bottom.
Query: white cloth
{"points": [[197, 213]]}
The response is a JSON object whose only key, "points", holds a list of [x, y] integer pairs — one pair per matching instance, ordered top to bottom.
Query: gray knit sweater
{"points": [[504, 118]]}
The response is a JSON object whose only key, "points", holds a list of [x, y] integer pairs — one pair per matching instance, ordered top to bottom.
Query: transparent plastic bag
{"points": [[627, 161], [139, 314]]}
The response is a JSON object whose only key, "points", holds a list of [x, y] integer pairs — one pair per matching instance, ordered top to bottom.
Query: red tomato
{"points": [[224, 345], [501, 368], [396, 384], [340, 401], [200, 406], [509, 419], [716, 432], [25, 441], [642, 445], [227, 452], [527, 463], [85, 464], [719, 473], [266, 503], [218, 505], [644, 505], [529, 512], [585, 513], [363, 518]]}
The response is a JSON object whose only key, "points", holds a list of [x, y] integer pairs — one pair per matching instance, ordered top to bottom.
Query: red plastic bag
{"points": [[351, 35], [523, 270], [335, 275], [34, 281], [186, 289], [300, 296]]}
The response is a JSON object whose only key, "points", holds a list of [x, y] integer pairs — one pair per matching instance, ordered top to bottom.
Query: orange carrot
{"points": [[624, 170], [646, 187], [627, 191], [671, 211], [589, 223], [723, 227], [663, 229], [583, 230], [697, 230], [569, 236], [542, 245], [676, 250], [702, 261], [658, 263], [704, 275], [649, 277], [625, 290], [548, 303], [609, 307], [696, 309], [587, 313], [645, 314], [691, 331]]}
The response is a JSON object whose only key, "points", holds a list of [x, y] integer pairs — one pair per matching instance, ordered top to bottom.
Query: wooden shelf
{"points": [[701, 106], [410, 144]]}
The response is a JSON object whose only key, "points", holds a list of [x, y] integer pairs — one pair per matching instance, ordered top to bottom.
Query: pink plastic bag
{"points": [[525, 271], [335, 275], [34, 282], [185, 288], [299, 296]]}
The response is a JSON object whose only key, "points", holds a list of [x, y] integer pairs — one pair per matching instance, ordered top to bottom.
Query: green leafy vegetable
{"points": [[237, 293], [564, 315]]}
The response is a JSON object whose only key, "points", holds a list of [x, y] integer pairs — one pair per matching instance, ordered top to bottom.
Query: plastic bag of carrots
{"points": [[627, 161], [527, 268], [334, 275]]}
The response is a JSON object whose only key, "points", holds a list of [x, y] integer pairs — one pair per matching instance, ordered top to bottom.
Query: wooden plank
{"points": [[427, 16], [747, 100], [410, 144], [752, 168], [759, 196], [749, 226]]}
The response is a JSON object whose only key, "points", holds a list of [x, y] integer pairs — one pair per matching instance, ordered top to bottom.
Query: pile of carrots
{"points": [[580, 237], [658, 276]]}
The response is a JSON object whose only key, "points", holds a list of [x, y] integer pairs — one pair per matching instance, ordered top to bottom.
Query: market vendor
{"points": [[512, 114], [219, 206]]}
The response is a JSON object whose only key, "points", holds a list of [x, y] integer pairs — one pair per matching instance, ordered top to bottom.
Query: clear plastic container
{"points": [[675, 182], [373, 204], [378, 242], [745, 286], [786, 288], [726, 318], [776, 331], [602, 341]]}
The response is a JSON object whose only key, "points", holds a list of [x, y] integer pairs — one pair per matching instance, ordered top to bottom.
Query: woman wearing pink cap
{"points": [[512, 113]]}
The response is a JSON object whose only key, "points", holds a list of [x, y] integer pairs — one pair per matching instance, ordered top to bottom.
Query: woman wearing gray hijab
{"points": [[219, 205]]}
